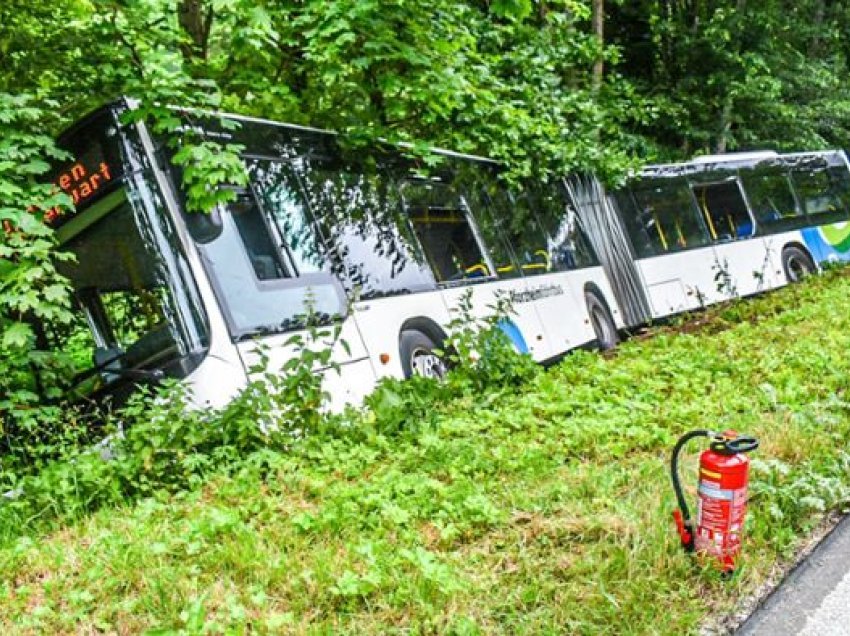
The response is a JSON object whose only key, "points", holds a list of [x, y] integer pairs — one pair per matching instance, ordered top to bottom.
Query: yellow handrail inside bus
{"points": [[704, 207], [660, 231], [683, 242], [546, 257], [478, 267]]}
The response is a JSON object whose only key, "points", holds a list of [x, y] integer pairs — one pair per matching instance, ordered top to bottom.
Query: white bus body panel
{"points": [[749, 266], [680, 281], [484, 299], [566, 323], [215, 382], [350, 385]]}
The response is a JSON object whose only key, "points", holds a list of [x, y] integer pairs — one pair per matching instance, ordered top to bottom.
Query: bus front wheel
{"points": [[797, 264], [601, 321], [418, 356]]}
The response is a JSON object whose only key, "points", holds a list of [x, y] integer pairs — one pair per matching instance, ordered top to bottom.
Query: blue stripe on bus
{"points": [[820, 249], [512, 331]]}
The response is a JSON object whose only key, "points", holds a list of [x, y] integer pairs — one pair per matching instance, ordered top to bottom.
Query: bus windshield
{"points": [[138, 315]]}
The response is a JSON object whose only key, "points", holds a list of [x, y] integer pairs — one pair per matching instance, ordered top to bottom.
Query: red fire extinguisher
{"points": [[723, 479]]}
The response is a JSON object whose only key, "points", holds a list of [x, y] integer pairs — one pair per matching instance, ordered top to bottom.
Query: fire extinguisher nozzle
{"points": [[685, 531]]}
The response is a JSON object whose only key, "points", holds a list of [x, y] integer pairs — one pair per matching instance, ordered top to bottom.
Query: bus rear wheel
{"points": [[797, 264], [601, 321], [418, 356]]}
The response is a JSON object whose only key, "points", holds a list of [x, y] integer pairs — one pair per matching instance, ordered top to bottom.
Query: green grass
{"points": [[540, 511]]}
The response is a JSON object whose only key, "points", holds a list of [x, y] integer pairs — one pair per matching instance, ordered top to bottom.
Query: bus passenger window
{"points": [[819, 192], [280, 193], [771, 199], [724, 210], [667, 212], [359, 213], [494, 213], [441, 223], [640, 232], [267, 281]]}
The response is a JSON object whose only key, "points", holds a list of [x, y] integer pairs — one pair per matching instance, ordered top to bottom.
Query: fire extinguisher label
{"points": [[715, 493], [720, 515]]}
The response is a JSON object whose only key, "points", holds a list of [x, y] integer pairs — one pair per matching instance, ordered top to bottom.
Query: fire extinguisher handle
{"points": [[743, 444]]}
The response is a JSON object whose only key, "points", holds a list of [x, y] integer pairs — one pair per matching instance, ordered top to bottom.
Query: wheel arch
{"points": [[803, 248], [592, 288], [426, 326]]}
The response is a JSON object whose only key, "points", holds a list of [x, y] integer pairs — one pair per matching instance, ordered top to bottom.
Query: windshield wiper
{"points": [[130, 374], [137, 374]]}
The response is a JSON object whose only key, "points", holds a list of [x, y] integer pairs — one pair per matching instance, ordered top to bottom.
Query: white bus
{"points": [[368, 239], [385, 250]]}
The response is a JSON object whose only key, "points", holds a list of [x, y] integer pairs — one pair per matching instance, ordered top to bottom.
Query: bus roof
{"points": [[129, 102], [733, 160]]}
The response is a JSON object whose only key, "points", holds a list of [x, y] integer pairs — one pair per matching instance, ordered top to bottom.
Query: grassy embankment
{"points": [[544, 510]]}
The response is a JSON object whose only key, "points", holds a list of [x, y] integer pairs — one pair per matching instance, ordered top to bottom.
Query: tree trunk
{"points": [[817, 23], [598, 25], [196, 26], [726, 113], [725, 126]]}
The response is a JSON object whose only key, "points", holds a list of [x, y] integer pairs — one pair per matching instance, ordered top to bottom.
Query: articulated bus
{"points": [[368, 240], [371, 241]]}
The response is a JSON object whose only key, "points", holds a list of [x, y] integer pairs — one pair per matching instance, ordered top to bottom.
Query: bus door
{"points": [[555, 231], [672, 245], [471, 262], [742, 265]]}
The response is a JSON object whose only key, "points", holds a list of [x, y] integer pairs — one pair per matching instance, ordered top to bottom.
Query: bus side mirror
{"points": [[204, 227]]}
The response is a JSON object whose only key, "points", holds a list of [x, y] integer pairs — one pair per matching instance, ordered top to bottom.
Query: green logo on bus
{"points": [[837, 235]]}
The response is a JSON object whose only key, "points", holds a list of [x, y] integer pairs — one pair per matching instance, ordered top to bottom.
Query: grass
{"points": [[545, 510]]}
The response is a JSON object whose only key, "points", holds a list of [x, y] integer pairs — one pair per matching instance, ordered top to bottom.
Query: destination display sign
{"points": [[95, 169]]}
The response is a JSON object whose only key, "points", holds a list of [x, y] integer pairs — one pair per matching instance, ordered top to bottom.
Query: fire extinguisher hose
{"points": [[686, 531]]}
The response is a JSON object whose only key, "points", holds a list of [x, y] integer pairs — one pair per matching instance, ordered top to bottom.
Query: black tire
{"points": [[797, 264], [601, 321], [418, 357]]}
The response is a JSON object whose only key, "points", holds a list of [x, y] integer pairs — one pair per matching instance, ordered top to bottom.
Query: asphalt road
{"points": [[815, 598]]}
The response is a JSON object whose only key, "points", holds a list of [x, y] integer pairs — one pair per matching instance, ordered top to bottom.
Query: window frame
{"points": [[471, 222]]}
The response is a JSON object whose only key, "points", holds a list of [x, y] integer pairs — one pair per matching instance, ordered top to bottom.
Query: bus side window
{"points": [[840, 185], [280, 192], [819, 192], [771, 199], [724, 210], [493, 212], [359, 213], [668, 213], [441, 222], [637, 225], [252, 228], [567, 244], [267, 267]]}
